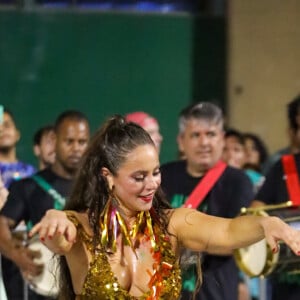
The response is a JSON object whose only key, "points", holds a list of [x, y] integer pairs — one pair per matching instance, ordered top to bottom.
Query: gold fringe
{"points": [[112, 224]]}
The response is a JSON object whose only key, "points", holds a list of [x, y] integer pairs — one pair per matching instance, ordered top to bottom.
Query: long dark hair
{"points": [[108, 148], [261, 148]]}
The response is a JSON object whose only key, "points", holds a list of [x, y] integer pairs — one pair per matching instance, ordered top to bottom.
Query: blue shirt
{"points": [[14, 171]]}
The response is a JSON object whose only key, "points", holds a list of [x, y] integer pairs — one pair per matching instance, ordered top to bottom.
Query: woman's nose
{"points": [[152, 183]]}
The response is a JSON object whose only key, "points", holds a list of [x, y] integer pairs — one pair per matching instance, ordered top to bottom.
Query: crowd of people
{"points": [[123, 226]]}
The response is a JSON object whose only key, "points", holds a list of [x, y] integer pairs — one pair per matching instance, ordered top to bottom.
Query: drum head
{"points": [[253, 258], [257, 259], [46, 283]]}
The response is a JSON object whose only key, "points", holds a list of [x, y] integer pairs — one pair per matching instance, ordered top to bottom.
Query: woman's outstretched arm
{"points": [[202, 232]]}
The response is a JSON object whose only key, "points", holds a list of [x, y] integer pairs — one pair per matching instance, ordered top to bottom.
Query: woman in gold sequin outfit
{"points": [[118, 237]]}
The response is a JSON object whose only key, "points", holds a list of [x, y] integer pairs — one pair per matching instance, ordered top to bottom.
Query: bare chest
{"points": [[133, 268]]}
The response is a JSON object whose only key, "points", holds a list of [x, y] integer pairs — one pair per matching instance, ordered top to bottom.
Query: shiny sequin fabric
{"points": [[101, 284]]}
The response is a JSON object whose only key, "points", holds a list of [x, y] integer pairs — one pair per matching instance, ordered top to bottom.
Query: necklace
{"points": [[112, 224]]}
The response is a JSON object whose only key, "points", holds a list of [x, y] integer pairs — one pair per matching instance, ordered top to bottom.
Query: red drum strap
{"points": [[292, 178], [205, 185]]}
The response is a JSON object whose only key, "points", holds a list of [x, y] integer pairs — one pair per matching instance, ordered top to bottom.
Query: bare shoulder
{"points": [[182, 216], [182, 224]]}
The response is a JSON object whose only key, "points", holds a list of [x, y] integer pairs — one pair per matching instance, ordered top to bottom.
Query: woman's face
{"points": [[234, 152], [252, 155], [137, 180]]}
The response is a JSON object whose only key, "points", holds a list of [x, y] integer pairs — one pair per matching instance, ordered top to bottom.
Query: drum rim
{"points": [[271, 257]]}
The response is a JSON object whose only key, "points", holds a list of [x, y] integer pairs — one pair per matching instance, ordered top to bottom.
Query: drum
{"points": [[20, 234], [258, 259], [47, 283]]}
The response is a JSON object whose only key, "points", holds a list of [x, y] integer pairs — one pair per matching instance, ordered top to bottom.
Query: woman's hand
{"points": [[276, 230], [56, 231]]}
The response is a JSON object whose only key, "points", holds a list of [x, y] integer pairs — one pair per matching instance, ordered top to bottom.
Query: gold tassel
{"points": [[112, 223], [104, 226], [136, 226], [150, 228], [124, 230]]}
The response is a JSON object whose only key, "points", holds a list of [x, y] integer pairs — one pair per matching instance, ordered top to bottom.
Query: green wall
{"points": [[209, 60], [100, 63]]}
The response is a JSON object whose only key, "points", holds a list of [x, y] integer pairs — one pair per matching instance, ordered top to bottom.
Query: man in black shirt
{"points": [[293, 118], [201, 139], [274, 191], [28, 201]]}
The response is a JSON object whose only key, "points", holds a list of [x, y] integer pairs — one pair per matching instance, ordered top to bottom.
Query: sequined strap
{"points": [[82, 234]]}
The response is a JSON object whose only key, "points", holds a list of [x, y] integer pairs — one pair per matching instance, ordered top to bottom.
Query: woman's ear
{"points": [[109, 177]]}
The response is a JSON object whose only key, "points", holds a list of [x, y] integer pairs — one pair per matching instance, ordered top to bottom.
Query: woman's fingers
{"points": [[49, 225], [61, 228], [35, 229], [49, 230], [52, 230], [56, 231], [43, 232], [283, 232], [71, 234], [293, 240]]}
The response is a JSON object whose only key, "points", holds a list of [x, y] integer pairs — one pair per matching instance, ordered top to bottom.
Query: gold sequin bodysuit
{"points": [[101, 284]]}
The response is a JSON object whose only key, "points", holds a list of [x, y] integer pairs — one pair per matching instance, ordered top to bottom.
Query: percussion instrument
{"points": [[258, 259], [45, 284]]}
